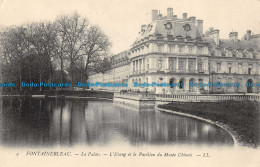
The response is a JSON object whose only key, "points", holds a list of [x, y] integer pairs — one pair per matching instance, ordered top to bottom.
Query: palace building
{"points": [[175, 50]]}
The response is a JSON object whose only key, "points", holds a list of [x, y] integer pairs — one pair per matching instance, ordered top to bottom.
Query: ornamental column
{"points": [[187, 61], [136, 63], [177, 63], [133, 64], [144, 64], [167, 64], [196, 64], [141, 65]]}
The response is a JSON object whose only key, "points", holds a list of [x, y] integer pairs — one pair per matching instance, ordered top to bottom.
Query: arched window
{"points": [[182, 83]]}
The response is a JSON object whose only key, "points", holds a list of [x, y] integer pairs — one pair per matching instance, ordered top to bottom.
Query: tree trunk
{"points": [[61, 69], [50, 75], [30, 76], [72, 76], [85, 76], [20, 77], [81, 77], [40, 80], [51, 81], [21, 82]]}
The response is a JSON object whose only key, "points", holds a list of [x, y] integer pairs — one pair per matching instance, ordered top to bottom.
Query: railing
{"points": [[135, 96], [186, 97], [208, 97]]}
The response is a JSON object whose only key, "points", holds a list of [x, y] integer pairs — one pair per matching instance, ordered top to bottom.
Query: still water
{"points": [[58, 122]]}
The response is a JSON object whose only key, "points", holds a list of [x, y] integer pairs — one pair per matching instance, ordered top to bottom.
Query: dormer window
{"points": [[169, 36], [179, 37], [188, 38], [250, 53], [228, 54], [245, 54]]}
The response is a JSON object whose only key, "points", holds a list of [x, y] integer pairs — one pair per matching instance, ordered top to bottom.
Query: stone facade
{"points": [[175, 50], [119, 72]]}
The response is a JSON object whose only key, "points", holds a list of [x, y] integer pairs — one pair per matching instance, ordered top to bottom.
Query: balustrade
{"points": [[180, 97]]}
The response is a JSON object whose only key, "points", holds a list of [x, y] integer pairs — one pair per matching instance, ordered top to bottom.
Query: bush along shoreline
{"points": [[241, 116]]}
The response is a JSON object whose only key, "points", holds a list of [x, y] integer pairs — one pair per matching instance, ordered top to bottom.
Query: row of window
{"points": [[175, 49], [180, 49], [239, 54], [119, 63], [172, 64], [181, 64], [191, 66], [240, 68], [171, 81]]}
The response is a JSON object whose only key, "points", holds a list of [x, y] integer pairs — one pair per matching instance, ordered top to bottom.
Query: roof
{"points": [[158, 27], [240, 44]]}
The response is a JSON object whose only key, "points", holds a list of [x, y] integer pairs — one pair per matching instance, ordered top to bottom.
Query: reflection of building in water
{"points": [[175, 50], [41, 122], [82, 122]]}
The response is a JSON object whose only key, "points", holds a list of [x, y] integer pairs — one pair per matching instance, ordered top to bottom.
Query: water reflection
{"points": [[52, 122]]}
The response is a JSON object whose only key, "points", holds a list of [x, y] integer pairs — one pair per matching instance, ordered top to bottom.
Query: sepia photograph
{"points": [[129, 83]]}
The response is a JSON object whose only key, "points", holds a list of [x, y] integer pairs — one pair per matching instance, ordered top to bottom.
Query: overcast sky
{"points": [[121, 19]]}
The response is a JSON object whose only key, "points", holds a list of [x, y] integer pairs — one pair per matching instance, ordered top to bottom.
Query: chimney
{"points": [[169, 13], [154, 14], [159, 15], [184, 16], [193, 19], [143, 27], [200, 27], [211, 29], [248, 34], [215, 35], [233, 36]]}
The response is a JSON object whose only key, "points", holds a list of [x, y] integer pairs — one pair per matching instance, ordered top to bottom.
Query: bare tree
{"points": [[75, 28], [50, 34], [42, 39], [82, 40], [61, 42], [70, 42], [17, 47], [96, 47], [7, 57]]}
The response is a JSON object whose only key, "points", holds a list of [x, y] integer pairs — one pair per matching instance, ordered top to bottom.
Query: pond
{"points": [[32, 122]]}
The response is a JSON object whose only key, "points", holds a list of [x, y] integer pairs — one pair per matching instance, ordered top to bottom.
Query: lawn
{"points": [[241, 116]]}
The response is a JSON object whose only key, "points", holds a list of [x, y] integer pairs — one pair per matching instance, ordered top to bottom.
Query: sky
{"points": [[121, 20]]}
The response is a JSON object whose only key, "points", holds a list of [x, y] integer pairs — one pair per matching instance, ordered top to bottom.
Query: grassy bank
{"points": [[241, 116]]}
